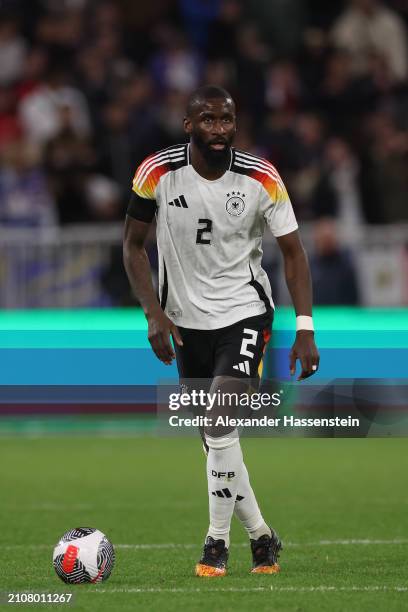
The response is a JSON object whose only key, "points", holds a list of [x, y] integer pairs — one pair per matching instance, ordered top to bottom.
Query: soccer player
{"points": [[212, 202]]}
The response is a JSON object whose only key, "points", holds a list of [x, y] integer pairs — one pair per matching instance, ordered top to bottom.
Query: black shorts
{"points": [[236, 350]]}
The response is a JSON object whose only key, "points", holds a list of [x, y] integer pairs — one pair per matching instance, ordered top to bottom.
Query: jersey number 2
{"points": [[204, 230], [253, 335]]}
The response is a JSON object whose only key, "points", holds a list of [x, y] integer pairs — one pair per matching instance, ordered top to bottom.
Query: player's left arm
{"points": [[279, 215], [298, 280]]}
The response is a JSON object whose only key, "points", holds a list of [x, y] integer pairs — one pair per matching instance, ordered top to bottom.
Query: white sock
{"points": [[224, 467], [247, 509]]}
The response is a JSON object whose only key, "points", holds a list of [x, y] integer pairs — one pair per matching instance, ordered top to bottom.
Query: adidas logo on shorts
{"points": [[242, 367]]}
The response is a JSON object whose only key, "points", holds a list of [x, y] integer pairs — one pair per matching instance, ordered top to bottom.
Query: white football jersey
{"points": [[209, 234]]}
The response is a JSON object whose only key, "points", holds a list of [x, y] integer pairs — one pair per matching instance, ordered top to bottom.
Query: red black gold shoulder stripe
{"points": [[157, 164], [255, 167]]}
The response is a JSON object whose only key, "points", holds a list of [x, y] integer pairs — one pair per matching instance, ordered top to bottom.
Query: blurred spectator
{"points": [[106, 16], [144, 16], [198, 16], [281, 22], [368, 27], [222, 30], [60, 32], [12, 51], [251, 61], [311, 61], [176, 65], [221, 72], [33, 73], [94, 81], [283, 87], [337, 97], [40, 111], [170, 117], [10, 128], [127, 131], [244, 138], [279, 143], [115, 148], [70, 161], [386, 167], [344, 170], [313, 192], [103, 197], [25, 200], [333, 274]]}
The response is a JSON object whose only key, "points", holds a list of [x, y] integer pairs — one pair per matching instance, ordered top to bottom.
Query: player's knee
{"points": [[227, 392], [220, 442]]}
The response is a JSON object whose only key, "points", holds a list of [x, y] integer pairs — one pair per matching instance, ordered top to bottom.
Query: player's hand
{"points": [[160, 329], [304, 349]]}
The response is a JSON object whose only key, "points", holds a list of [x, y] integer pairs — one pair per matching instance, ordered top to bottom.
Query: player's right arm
{"points": [[141, 210]]}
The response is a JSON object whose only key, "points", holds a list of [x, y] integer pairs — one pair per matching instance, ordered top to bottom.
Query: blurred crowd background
{"points": [[89, 88]]}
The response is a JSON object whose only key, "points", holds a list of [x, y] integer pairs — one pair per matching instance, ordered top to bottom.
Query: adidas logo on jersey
{"points": [[180, 202], [242, 367]]}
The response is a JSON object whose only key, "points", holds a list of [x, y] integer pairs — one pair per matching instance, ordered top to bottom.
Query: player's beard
{"points": [[215, 159]]}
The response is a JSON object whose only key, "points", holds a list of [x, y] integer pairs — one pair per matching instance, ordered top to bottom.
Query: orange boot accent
{"points": [[266, 569], [208, 571]]}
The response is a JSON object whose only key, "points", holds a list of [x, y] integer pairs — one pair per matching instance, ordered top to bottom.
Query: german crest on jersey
{"points": [[235, 204]]}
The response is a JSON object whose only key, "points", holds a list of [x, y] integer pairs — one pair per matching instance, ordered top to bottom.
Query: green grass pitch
{"points": [[340, 506]]}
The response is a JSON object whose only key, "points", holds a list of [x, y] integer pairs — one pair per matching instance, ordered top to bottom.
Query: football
{"points": [[82, 555]]}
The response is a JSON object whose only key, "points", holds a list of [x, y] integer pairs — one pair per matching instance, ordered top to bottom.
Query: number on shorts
{"points": [[253, 335]]}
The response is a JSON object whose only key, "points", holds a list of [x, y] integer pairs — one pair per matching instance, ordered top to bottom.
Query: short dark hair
{"points": [[206, 92]]}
